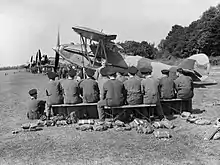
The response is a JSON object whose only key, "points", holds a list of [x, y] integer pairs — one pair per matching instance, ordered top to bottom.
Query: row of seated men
{"points": [[114, 89]]}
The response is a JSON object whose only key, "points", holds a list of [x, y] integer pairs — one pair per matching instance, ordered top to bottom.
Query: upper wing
{"points": [[93, 34]]}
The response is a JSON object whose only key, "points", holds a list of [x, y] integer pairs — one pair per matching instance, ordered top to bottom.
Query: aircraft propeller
{"points": [[57, 56]]}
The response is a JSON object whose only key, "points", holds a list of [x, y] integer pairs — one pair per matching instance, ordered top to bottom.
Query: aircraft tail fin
{"points": [[187, 64]]}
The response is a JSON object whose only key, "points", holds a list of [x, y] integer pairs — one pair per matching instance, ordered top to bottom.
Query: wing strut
{"points": [[103, 47], [96, 52]]}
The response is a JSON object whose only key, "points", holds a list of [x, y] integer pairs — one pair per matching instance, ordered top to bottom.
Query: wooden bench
{"points": [[74, 105], [177, 105], [81, 108], [151, 108], [66, 109]]}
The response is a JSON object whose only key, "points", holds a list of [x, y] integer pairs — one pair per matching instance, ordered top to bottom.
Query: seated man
{"points": [[172, 73], [183, 85], [166, 86], [133, 87], [89, 88], [71, 89], [149, 89], [167, 90], [54, 93], [113, 94], [35, 107]]}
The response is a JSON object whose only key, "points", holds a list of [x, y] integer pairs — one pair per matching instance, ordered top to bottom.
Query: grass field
{"points": [[65, 145]]}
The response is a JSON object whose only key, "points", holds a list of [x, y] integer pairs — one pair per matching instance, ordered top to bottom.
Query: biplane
{"points": [[96, 45]]}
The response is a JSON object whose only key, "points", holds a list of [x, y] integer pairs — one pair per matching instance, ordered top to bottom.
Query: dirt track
{"points": [[65, 145]]}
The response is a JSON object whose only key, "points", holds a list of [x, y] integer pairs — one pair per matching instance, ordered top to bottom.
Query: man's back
{"points": [[172, 73], [101, 82], [166, 86], [184, 87], [149, 88], [90, 90], [133, 90], [71, 91], [54, 92], [113, 92], [33, 105], [35, 108]]}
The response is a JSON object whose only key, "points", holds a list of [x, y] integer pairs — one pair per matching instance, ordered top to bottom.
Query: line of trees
{"points": [[201, 36], [12, 67]]}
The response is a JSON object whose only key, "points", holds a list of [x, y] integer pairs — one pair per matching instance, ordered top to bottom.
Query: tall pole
{"points": [[83, 70]]}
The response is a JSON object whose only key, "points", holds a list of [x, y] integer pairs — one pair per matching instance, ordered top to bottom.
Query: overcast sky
{"points": [[29, 25]]}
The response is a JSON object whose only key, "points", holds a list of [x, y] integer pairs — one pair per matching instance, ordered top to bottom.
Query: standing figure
{"points": [[64, 72], [60, 73], [97, 74], [79, 75], [101, 81], [54, 93]]}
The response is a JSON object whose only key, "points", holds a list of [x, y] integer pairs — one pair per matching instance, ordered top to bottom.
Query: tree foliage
{"points": [[202, 35], [143, 48]]}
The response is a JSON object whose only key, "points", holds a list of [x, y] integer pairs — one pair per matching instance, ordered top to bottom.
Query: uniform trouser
{"points": [[100, 108], [159, 109], [49, 110]]}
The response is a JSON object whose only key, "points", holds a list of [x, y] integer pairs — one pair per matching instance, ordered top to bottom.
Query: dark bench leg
{"points": [[186, 105], [181, 106], [174, 107], [147, 113], [118, 115]]}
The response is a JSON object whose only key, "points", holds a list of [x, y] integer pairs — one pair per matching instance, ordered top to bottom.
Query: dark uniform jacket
{"points": [[101, 82], [184, 87], [166, 88], [149, 89], [89, 90], [133, 91], [71, 92], [113, 92], [54, 93], [35, 109]]}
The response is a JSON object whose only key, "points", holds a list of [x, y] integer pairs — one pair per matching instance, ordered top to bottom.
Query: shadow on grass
{"points": [[199, 86], [197, 111], [171, 117]]}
